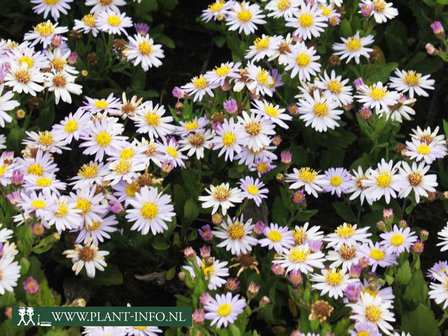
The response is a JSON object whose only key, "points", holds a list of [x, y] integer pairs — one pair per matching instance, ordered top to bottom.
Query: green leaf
{"points": [[346, 29], [191, 211], [344, 211], [160, 244], [170, 273], [110, 276], [403, 276], [417, 290], [7, 299], [420, 322], [235, 331]]}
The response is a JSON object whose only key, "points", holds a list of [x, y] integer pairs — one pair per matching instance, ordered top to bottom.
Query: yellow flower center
{"points": [[51, 2], [105, 2], [283, 5], [379, 5], [217, 6], [326, 11], [244, 16], [89, 20], [114, 20], [306, 20], [44, 29], [261, 43], [353, 44], [144, 48], [28, 60], [303, 60], [58, 64], [222, 70], [22, 76], [263, 77], [411, 78], [59, 81], [200, 82], [334, 86], [377, 94], [101, 104], [320, 110], [271, 111], [152, 119], [191, 125], [71, 126], [253, 128], [45, 138], [103, 139], [228, 139], [197, 140], [423, 149], [172, 152], [126, 153], [123, 167], [262, 167], [3, 169], [35, 169], [88, 171], [307, 175], [415, 179], [384, 180], [43, 181], [336, 181], [131, 190], [253, 190], [221, 193], [38, 204], [83, 205], [62, 210], [149, 210], [93, 226], [236, 231], [345, 232], [299, 235], [275, 236], [397, 239], [347, 252], [298, 254], [377, 254], [208, 271], [334, 278], [224, 310], [373, 314], [144, 328], [363, 333]]}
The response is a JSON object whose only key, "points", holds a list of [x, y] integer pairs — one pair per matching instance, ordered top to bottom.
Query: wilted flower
{"points": [[206, 233], [31, 286], [252, 289], [198, 316]]}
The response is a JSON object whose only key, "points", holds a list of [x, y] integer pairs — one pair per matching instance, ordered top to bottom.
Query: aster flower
{"points": [[99, 5], [55, 7], [282, 8], [218, 10], [381, 10], [245, 17], [308, 21], [113, 22], [87, 24], [44, 33], [262, 47], [354, 47], [142, 50], [302, 60], [225, 71], [24, 79], [259, 80], [412, 82], [63, 85], [199, 86], [335, 87], [6, 104], [109, 105], [272, 112], [150, 119], [257, 130], [229, 137], [195, 143], [169, 148], [422, 150], [307, 178], [414, 178], [337, 181], [383, 181], [253, 189], [221, 195], [151, 210], [99, 231], [304, 234], [347, 234], [237, 235], [443, 236], [277, 238], [398, 240], [89, 256], [377, 256], [344, 257], [300, 258], [439, 267], [10, 271], [332, 281], [438, 291], [224, 309], [364, 329]]}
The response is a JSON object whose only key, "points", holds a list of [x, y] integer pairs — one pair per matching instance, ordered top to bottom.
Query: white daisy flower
{"points": [[102, 5], [53, 7], [282, 8], [218, 10], [381, 10], [244, 17], [308, 21], [113, 22], [88, 24], [44, 33], [264, 46], [354, 47], [141, 49], [28, 55], [302, 61], [219, 75], [24, 79], [260, 81], [412, 82], [62, 84], [199, 86], [334, 87], [6, 104], [109, 105], [403, 110], [272, 112], [319, 112], [150, 119], [73, 126], [187, 127], [256, 129], [428, 136], [103, 138], [230, 138], [2, 140], [46, 141], [195, 143], [170, 151], [423, 151], [41, 164], [124, 169], [89, 174], [307, 178], [414, 178], [337, 181], [383, 181], [44, 182], [253, 189], [358, 189], [124, 192], [221, 196], [41, 204], [91, 205], [150, 210], [66, 216], [99, 231], [303, 234], [347, 234], [237, 235], [443, 236], [277, 238], [398, 240], [89, 256], [377, 256], [344, 257], [300, 258], [10, 271], [215, 271], [332, 281], [439, 291], [224, 309], [374, 311]]}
